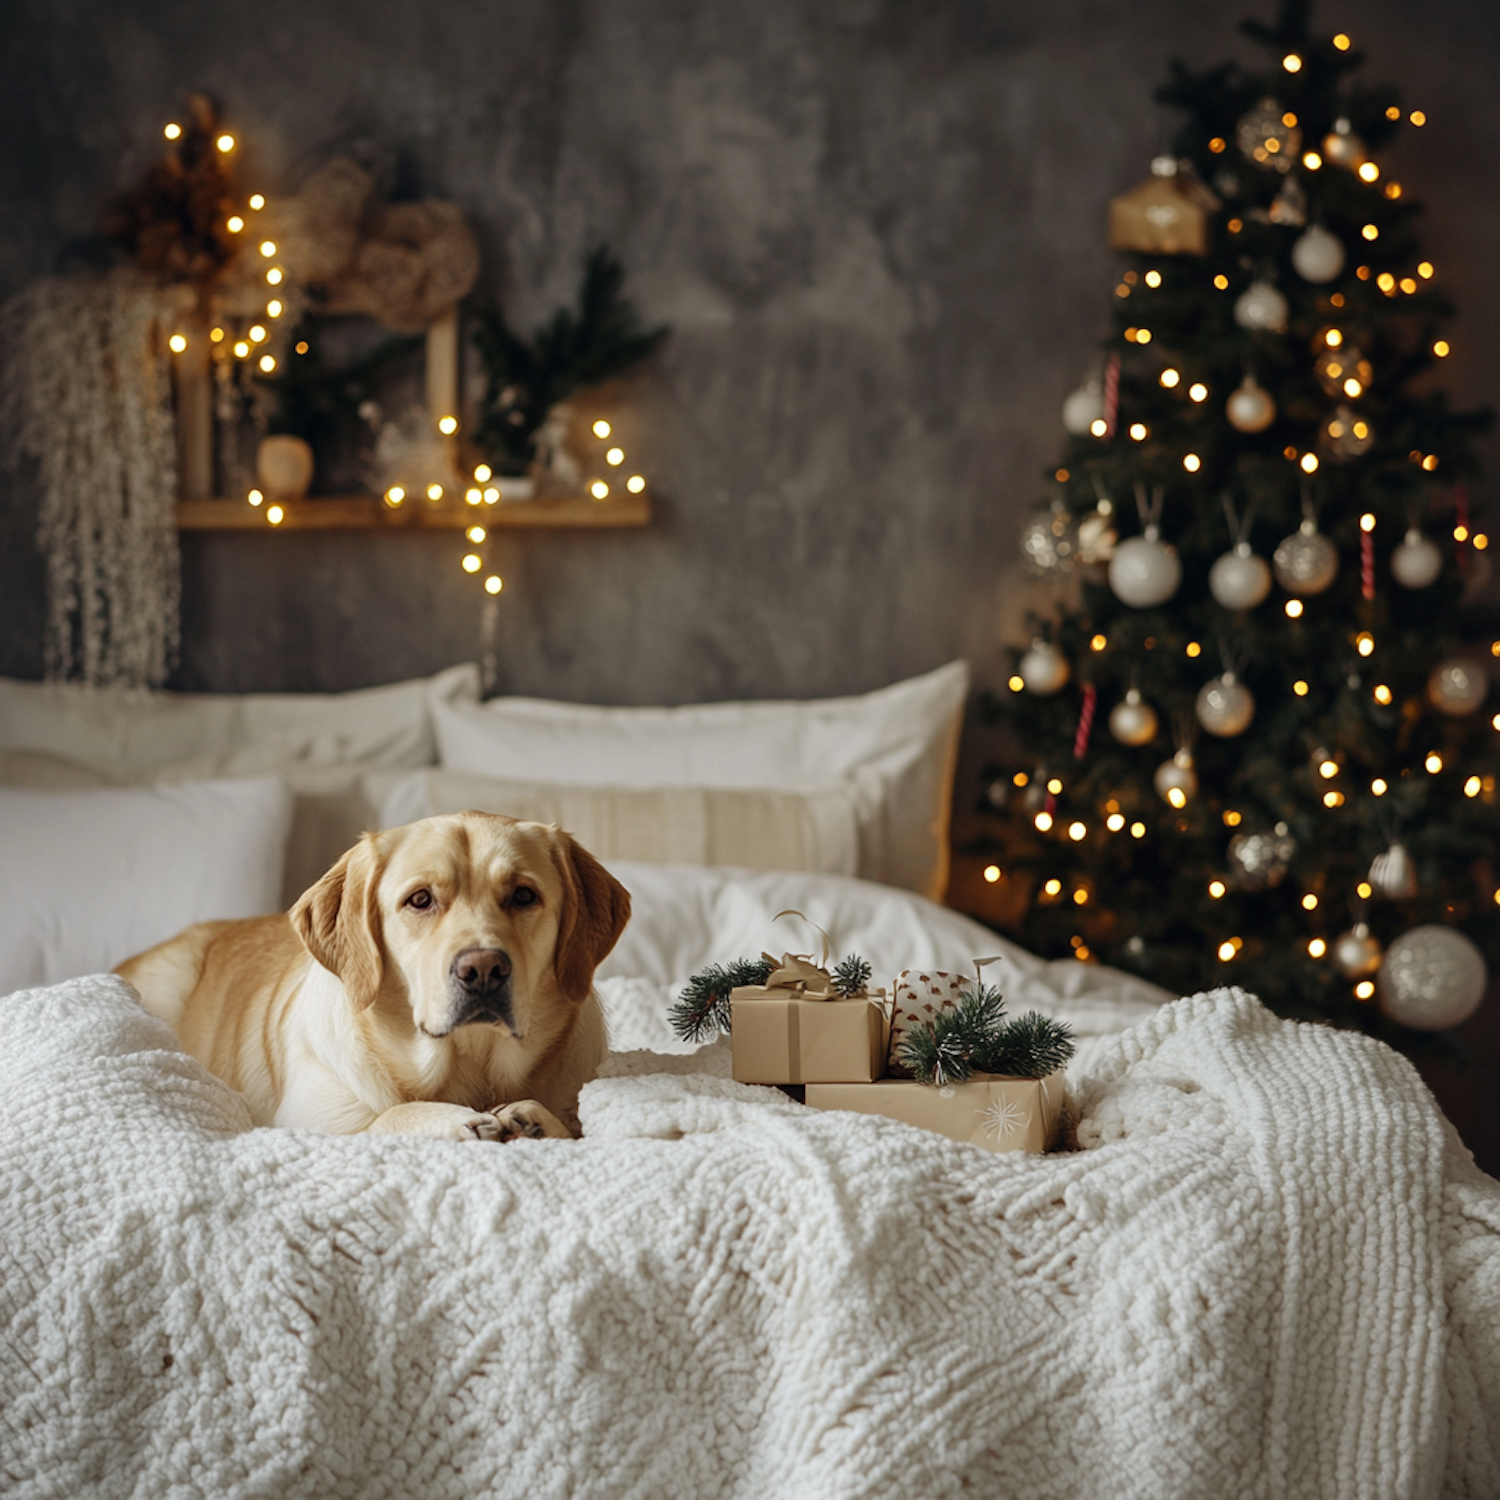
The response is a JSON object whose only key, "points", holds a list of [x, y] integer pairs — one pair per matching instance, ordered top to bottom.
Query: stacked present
{"points": [[936, 1051]]}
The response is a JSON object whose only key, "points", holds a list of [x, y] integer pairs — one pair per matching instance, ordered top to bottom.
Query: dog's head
{"points": [[465, 918]]}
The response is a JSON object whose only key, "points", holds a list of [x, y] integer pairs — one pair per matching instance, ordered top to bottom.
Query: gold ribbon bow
{"points": [[797, 971]]}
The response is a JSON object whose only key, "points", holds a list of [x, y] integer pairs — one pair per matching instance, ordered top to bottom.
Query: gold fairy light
{"points": [[172, 130], [225, 143], [601, 428], [635, 484], [473, 563], [493, 584], [991, 874], [1317, 948]]}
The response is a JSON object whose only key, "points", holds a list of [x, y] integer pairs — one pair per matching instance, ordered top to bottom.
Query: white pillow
{"points": [[892, 750], [755, 828], [88, 878]]}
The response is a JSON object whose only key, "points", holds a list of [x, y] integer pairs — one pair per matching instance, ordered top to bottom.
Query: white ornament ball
{"points": [[1318, 256], [1261, 308], [1083, 408], [1250, 408], [284, 466], [1306, 561], [1417, 562], [1144, 571], [1239, 579], [1044, 669], [1457, 687], [1225, 706], [1133, 721], [1176, 775], [1356, 953], [1433, 977]]}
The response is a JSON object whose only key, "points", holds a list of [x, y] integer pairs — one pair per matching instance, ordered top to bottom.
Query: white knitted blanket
{"points": [[1270, 1272]]}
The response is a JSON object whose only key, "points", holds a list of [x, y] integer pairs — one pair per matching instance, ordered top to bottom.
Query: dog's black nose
{"points": [[481, 973]]}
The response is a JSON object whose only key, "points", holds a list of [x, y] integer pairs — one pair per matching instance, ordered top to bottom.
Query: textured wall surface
{"points": [[875, 228]]}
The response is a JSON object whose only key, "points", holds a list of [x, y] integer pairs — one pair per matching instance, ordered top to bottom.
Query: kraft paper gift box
{"points": [[781, 1036], [999, 1114]]}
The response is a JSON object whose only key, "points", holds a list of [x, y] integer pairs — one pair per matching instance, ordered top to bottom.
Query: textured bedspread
{"points": [[1270, 1272]]}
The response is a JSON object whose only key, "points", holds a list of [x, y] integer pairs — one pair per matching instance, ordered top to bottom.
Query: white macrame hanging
{"points": [[87, 393]]}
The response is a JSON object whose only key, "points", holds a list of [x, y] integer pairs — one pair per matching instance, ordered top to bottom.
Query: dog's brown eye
{"points": [[523, 895], [421, 900]]}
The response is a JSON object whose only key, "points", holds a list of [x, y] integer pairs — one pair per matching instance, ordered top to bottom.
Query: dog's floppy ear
{"points": [[596, 908], [337, 922]]}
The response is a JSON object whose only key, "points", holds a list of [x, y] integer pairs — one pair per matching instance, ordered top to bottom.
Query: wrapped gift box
{"points": [[917, 999], [780, 1036], [999, 1114]]}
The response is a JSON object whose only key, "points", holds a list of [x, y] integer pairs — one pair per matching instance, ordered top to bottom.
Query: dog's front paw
{"points": [[528, 1120], [442, 1122]]}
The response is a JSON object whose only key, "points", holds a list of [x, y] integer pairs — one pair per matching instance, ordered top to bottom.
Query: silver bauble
{"points": [[1263, 135], [1342, 148], [1318, 256], [1261, 308], [1084, 407], [1250, 407], [1048, 542], [1417, 561], [1306, 562], [1144, 570], [1239, 579], [1044, 669], [1457, 687], [1225, 706], [1133, 721], [1177, 775], [1259, 860], [1394, 874], [1356, 953], [1433, 977]]}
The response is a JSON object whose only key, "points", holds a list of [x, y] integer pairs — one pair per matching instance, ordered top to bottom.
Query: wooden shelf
{"points": [[370, 513]]}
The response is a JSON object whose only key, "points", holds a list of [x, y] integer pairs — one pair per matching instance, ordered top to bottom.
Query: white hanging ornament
{"points": [[1342, 148], [1318, 255], [1261, 308], [1084, 407], [1250, 407], [1417, 561], [1306, 562], [1145, 571], [1239, 579], [1044, 669], [1457, 687], [1225, 706], [1133, 721], [1176, 780], [1394, 874], [1356, 953], [1433, 977]]}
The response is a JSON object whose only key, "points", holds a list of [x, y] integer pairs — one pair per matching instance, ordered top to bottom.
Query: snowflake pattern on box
{"points": [[919, 997], [1002, 1117]]}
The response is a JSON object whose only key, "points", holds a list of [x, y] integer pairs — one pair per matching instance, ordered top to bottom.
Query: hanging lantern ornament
{"points": [[1264, 136], [1342, 148], [1165, 215], [1318, 255], [1261, 308], [1338, 363], [1084, 407], [1250, 407], [1347, 435], [1048, 543], [1417, 561], [1306, 562], [1145, 571], [1044, 669], [1457, 687], [1225, 706], [1133, 721], [1177, 775], [1258, 861], [1394, 874], [1356, 953], [1433, 977]]}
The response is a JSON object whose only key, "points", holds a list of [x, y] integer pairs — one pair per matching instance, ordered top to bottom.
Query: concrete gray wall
{"points": [[877, 230]]}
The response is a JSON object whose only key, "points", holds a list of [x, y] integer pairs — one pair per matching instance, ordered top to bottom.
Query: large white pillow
{"points": [[321, 743], [892, 751], [758, 828], [88, 878]]}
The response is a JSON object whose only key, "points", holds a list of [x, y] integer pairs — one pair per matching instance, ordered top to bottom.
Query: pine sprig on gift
{"points": [[851, 977], [703, 1005], [975, 1037], [1029, 1046]]}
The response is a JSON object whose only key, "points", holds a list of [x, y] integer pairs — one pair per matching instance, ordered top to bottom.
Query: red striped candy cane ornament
{"points": [[1111, 394], [1367, 563], [1085, 721]]}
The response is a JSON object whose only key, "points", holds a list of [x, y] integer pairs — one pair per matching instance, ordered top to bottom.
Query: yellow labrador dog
{"points": [[437, 981]]}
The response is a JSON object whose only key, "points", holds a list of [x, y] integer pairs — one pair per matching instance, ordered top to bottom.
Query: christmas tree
{"points": [[1219, 769]]}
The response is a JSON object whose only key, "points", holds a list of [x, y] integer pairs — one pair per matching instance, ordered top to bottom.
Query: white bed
{"points": [[1265, 1266]]}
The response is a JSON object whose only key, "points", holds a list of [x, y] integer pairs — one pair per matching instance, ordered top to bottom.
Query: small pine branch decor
{"points": [[852, 977], [703, 1006], [975, 1037]]}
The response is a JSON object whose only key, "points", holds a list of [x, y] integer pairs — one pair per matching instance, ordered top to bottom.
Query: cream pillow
{"points": [[892, 751], [758, 829], [87, 878]]}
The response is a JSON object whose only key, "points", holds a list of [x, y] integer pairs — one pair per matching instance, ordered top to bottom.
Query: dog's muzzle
{"points": [[479, 986]]}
